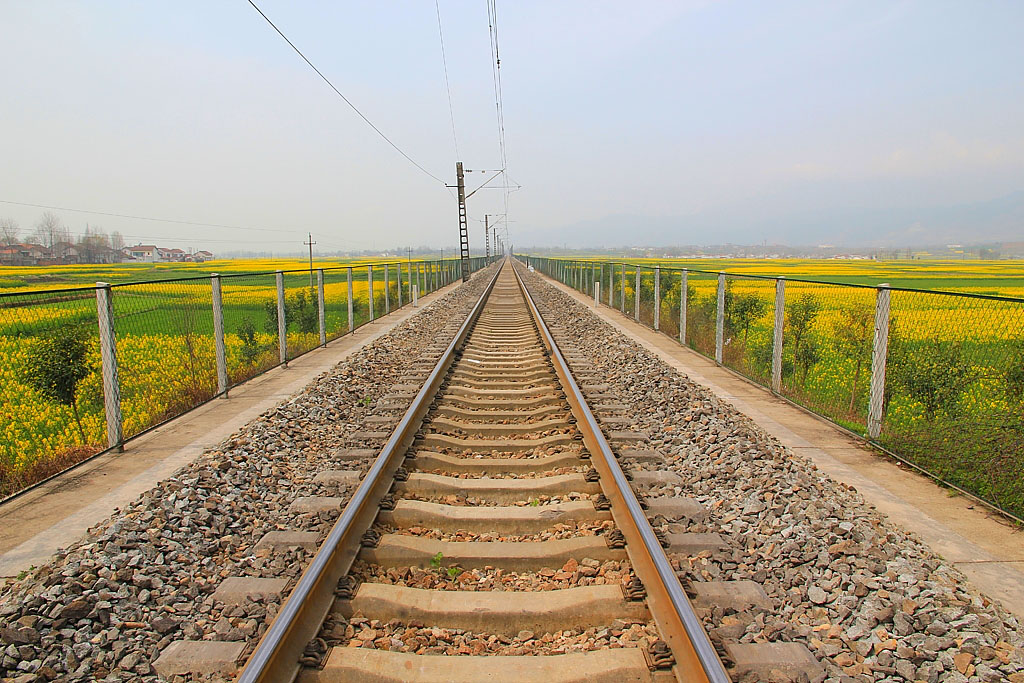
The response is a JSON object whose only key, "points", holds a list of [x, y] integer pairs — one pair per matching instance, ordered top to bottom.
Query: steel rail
{"points": [[276, 657], [696, 658]]}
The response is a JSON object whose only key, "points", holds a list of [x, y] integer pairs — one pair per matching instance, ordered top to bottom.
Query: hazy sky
{"points": [[716, 120]]}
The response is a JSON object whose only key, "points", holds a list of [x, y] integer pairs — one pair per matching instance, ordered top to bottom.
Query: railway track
{"points": [[496, 536]]}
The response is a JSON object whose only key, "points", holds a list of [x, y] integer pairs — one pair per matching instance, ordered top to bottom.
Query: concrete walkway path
{"points": [[55, 515], [981, 544]]}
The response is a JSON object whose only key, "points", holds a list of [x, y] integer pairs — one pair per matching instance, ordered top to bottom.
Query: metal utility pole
{"points": [[463, 227], [487, 237], [310, 244]]}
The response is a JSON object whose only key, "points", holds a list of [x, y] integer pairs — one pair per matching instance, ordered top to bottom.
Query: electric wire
{"points": [[492, 26], [447, 84], [338, 92], [145, 218]]}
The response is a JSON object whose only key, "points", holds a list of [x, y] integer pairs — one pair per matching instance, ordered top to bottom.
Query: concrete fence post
{"points": [[399, 284], [611, 288], [387, 290], [622, 290], [370, 292], [683, 292], [597, 293], [415, 296], [636, 296], [657, 298], [321, 306], [351, 306], [720, 319], [780, 320], [282, 324], [218, 336], [108, 355], [879, 355]]}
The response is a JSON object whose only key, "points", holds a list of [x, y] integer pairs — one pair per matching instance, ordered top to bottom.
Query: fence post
{"points": [[422, 277], [399, 284], [369, 288], [387, 288], [611, 288], [683, 289], [622, 290], [597, 293], [415, 296], [636, 296], [657, 298], [320, 305], [351, 318], [720, 319], [780, 319], [282, 324], [218, 336], [108, 354], [879, 354]]}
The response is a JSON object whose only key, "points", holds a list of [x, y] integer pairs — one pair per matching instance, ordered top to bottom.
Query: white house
{"points": [[147, 253]]}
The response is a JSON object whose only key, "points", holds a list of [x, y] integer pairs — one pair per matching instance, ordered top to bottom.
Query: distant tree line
{"points": [[49, 232]]}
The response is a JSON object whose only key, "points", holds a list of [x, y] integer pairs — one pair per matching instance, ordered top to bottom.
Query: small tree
{"points": [[50, 230], [10, 231], [742, 310], [304, 312], [299, 313], [799, 316], [854, 331], [251, 348], [56, 365], [932, 373]]}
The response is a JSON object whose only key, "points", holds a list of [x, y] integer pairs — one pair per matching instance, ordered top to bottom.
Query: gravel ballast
{"points": [[870, 600], [104, 608]]}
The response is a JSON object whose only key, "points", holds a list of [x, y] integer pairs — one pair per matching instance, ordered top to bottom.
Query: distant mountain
{"points": [[995, 220]]}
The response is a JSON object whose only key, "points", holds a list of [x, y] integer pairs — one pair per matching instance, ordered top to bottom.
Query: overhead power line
{"points": [[492, 27], [447, 84], [339, 94], [112, 214], [145, 218]]}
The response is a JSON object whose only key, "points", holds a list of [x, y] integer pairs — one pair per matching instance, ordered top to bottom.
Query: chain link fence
{"points": [[83, 369], [936, 379], [51, 399]]}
